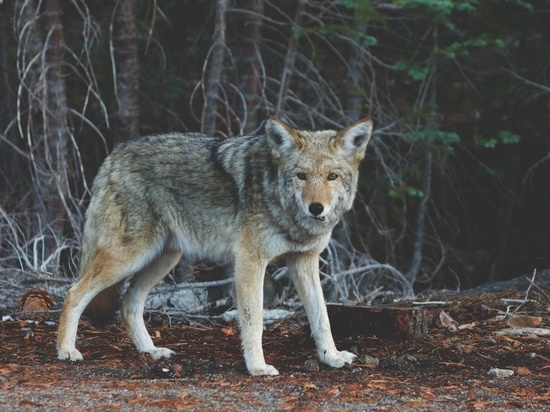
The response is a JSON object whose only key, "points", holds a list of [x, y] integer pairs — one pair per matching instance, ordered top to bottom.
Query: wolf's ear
{"points": [[282, 137], [352, 141]]}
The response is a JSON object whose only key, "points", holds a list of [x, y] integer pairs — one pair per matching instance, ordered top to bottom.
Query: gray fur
{"points": [[245, 200]]}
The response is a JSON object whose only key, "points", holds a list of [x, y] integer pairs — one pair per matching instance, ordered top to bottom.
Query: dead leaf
{"points": [[447, 321], [524, 321], [228, 331], [177, 369], [523, 371], [334, 391]]}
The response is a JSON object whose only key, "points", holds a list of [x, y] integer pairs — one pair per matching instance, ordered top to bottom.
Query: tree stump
{"points": [[380, 321]]}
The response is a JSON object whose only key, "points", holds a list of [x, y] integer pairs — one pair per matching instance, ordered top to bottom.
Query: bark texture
{"points": [[125, 44]]}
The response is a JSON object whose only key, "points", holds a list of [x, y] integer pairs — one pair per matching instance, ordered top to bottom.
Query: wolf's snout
{"points": [[316, 209]]}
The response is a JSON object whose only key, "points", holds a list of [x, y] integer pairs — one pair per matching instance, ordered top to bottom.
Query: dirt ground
{"points": [[446, 370]]}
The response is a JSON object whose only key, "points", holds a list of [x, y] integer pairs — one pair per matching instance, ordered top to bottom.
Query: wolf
{"points": [[245, 200]]}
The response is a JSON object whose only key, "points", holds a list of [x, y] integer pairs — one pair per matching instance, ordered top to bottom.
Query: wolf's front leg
{"points": [[304, 269], [249, 279]]}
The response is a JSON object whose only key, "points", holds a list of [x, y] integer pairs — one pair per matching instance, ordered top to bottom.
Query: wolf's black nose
{"points": [[316, 209]]}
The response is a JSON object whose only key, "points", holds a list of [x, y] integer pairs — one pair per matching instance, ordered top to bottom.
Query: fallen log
{"points": [[542, 280], [387, 321], [524, 332]]}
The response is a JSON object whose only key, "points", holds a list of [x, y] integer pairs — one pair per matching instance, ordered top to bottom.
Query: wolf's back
{"points": [[160, 182]]}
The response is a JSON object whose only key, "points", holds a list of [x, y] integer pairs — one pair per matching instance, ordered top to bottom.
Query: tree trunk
{"points": [[290, 58], [126, 69], [41, 74], [356, 75], [250, 80], [211, 84], [56, 132], [11, 167], [420, 224]]}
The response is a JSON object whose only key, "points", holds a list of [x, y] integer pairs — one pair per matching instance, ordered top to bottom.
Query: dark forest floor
{"points": [[444, 371]]}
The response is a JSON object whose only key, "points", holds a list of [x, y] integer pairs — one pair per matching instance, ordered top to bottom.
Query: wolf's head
{"points": [[318, 171]]}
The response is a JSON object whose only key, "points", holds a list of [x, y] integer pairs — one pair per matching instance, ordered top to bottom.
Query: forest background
{"points": [[455, 189]]}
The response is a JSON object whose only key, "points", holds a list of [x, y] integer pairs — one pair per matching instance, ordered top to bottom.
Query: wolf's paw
{"points": [[159, 353], [72, 355], [338, 358], [265, 370]]}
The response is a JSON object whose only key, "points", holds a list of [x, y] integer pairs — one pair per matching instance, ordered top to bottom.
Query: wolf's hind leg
{"points": [[304, 269], [105, 271], [133, 302]]}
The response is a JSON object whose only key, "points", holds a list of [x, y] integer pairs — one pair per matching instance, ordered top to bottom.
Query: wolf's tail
{"points": [[102, 308]]}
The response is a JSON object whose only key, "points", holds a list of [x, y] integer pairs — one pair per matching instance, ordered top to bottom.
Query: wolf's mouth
{"points": [[319, 218]]}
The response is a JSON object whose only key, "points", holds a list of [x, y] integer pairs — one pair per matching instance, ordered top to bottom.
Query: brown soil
{"points": [[446, 371]]}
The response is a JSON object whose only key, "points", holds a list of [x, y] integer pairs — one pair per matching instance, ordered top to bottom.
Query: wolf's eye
{"points": [[301, 176], [332, 176]]}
